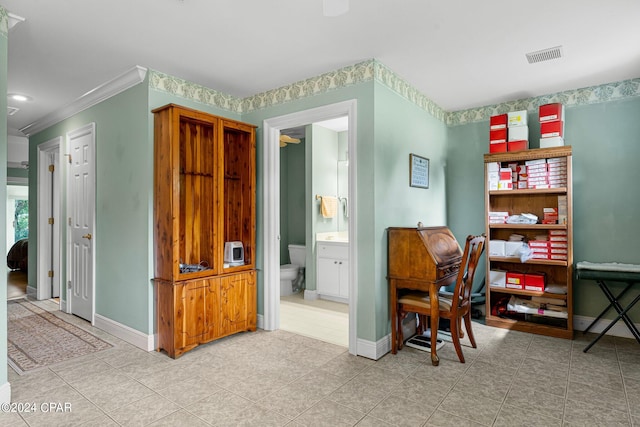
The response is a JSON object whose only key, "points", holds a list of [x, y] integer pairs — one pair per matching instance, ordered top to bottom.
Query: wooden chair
{"points": [[419, 302]]}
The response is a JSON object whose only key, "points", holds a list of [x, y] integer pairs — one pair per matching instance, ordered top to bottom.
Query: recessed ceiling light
{"points": [[19, 97]]}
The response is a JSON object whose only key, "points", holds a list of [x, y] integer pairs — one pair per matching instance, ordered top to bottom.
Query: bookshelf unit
{"points": [[558, 272]]}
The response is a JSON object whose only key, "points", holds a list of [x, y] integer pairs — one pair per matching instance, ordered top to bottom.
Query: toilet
{"points": [[289, 272]]}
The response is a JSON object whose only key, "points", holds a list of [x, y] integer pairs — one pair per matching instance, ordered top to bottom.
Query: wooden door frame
{"points": [[88, 128], [271, 208], [44, 243]]}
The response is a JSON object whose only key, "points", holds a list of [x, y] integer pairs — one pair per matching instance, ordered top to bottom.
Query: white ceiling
{"points": [[459, 53]]}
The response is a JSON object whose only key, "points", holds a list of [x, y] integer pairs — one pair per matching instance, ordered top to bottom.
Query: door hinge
{"points": [[69, 156], [52, 168], [69, 220], [50, 221], [50, 273], [69, 284]]}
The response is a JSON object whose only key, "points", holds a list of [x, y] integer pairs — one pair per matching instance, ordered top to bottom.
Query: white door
{"points": [[81, 219]]}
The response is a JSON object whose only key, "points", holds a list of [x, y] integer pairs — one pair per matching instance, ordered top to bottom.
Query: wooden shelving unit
{"points": [[204, 196], [556, 271]]}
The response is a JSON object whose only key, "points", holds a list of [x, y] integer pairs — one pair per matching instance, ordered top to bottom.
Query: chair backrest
{"points": [[472, 250]]}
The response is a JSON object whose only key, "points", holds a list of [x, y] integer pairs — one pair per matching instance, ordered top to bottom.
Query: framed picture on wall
{"points": [[418, 171]]}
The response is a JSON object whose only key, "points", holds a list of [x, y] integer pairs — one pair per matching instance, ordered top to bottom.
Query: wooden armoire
{"points": [[204, 196]]}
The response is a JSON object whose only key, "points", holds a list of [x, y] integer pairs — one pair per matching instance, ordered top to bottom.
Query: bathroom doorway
{"points": [[314, 165], [272, 232]]}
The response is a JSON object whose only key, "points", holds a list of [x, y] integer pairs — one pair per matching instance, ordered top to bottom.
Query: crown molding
{"points": [[119, 84]]}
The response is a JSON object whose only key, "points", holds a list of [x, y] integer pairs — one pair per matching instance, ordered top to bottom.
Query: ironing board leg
{"points": [[603, 286], [618, 307], [622, 315]]}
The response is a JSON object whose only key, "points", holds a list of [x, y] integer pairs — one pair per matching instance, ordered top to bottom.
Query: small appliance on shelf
{"points": [[233, 253]]}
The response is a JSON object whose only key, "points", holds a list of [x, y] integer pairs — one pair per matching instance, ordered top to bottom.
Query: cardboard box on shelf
{"points": [[551, 112], [517, 118], [498, 122], [551, 129], [518, 133], [498, 135], [553, 141], [519, 145], [498, 147], [505, 184], [496, 247], [498, 278], [514, 280], [534, 282]]}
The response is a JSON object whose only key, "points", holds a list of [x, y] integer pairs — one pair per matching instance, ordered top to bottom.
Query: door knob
{"points": [[87, 236]]}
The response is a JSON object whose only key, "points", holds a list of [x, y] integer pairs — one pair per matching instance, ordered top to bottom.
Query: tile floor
{"points": [[281, 378]]}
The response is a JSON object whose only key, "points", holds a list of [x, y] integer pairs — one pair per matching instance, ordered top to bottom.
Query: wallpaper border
{"points": [[4, 22], [373, 70], [569, 98]]}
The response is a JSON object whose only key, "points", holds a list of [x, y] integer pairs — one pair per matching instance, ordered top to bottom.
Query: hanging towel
{"points": [[328, 206]]}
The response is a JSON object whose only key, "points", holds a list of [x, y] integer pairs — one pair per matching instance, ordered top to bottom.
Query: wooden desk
{"points": [[424, 259]]}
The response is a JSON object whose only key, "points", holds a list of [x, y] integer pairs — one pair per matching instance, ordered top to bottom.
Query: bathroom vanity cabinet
{"points": [[204, 196], [332, 267]]}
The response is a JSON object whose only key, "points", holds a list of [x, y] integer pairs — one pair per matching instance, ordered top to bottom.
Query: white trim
{"points": [[95, 96], [271, 198], [44, 253], [32, 292], [310, 295], [260, 321], [580, 323], [126, 333], [374, 350], [5, 393]]}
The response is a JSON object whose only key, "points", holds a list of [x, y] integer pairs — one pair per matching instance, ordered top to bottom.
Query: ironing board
{"points": [[612, 272]]}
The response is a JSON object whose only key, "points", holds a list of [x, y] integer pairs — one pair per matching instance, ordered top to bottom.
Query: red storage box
{"points": [[551, 112], [498, 122], [551, 129], [499, 135], [520, 145], [498, 147], [514, 280], [534, 282]]}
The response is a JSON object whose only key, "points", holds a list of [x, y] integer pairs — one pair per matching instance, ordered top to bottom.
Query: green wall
{"points": [[4, 52], [363, 93], [401, 128], [605, 138], [124, 166], [292, 197]]}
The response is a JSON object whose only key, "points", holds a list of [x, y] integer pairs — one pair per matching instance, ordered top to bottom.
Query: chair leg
{"points": [[467, 324], [399, 333], [455, 337]]}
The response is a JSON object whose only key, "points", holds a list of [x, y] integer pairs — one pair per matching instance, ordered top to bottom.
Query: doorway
{"points": [[313, 215], [271, 220], [48, 270]]}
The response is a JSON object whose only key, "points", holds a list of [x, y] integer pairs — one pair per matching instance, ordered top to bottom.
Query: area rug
{"points": [[38, 338]]}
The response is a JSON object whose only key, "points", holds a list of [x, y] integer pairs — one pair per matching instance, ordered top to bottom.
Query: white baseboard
{"points": [[32, 292], [310, 295], [334, 299], [260, 321], [580, 323], [126, 333], [374, 350], [5, 393]]}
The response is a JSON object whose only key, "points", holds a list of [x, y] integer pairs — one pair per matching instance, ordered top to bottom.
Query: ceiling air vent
{"points": [[544, 55], [12, 110]]}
